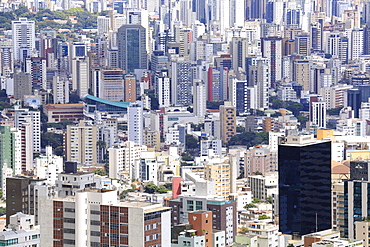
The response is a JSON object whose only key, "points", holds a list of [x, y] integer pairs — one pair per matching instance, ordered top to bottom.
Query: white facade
{"points": [[23, 32], [163, 90], [199, 99], [319, 114], [33, 118], [135, 123], [124, 160], [48, 166]]}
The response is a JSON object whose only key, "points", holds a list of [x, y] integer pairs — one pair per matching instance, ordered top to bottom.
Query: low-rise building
{"points": [[63, 112]]}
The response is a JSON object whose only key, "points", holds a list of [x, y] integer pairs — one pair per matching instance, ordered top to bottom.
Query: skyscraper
{"points": [[23, 32], [272, 48], [132, 52], [135, 123], [304, 165]]}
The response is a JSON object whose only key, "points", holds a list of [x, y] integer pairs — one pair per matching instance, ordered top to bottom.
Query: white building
{"points": [[103, 25], [23, 33], [163, 89], [199, 98], [318, 114], [23, 116], [135, 122], [124, 160], [48, 166], [149, 167], [263, 187], [22, 231]]}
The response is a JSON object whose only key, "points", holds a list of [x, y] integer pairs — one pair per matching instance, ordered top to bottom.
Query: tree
{"points": [[334, 111], [302, 121], [51, 139], [249, 139], [191, 142], [59, 151], [186, 157], [100, 172], [150, 188], [162, 189], [269, 199], [257, 200], [250, 205], [2, 210], [264, 217], [243, 230]]}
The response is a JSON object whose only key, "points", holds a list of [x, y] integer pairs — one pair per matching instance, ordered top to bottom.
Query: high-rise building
{"points": [[23, 33], [272, 48], [238, 50], [132, 52], [36, 66], [80, 74], [260, 80], [181, 82], [108, 84], [22, 85], [130, 88], [163, 88], [199, 98], [318, 114], [25, 116], [228, 121], [135, 123], [81, 143], [8, 155], [304, 165], [95, 218]]}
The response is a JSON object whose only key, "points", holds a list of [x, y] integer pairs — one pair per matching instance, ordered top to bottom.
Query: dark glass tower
{"points": [[132, 48], [304, 185]]}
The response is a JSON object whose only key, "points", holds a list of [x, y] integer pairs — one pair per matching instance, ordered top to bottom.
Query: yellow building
{"points": [[325, 134], [219, 174]]}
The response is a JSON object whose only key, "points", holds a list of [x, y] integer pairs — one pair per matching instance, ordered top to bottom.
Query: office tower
{"points": [[256, 9], [292, 17], [23, 33], [316, 36], [303, 44], [272, 48], [366, 48], [78, 50], [238, 51], [132, 52], [158, 61], [36, 66], [301, 73], [80, 75], [259, 79], [181, 82], [108, 84], [217, 84], [22, 85], [130, 88], [163, 88], [60, 90], [356, 96], [199, 98], [318, 113], [31, 118], [228, 121], [135, 122], [81, 143], [304, 185], [95, 218]]}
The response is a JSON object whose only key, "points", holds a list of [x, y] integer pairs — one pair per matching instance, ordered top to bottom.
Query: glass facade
{"points": [[304, 188]]}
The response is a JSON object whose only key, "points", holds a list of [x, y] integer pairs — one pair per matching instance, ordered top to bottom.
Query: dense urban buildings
{"points": [[184, 123]]}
